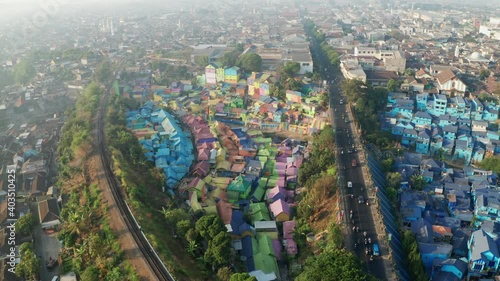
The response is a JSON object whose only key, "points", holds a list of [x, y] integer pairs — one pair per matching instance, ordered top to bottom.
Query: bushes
{"points": [[321, 157]]}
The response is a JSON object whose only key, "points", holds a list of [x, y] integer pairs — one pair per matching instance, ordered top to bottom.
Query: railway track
{"points": [[154, 261]]}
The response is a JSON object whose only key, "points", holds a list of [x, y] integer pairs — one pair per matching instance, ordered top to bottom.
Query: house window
{"points": [[491, 264], [478, 267]]}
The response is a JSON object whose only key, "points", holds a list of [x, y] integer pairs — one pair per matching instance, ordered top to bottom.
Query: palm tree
{"points": [[418, 182], [192, 247]]}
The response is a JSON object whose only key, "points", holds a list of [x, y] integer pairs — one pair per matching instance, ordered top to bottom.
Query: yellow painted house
{"points": [[232, 75]]}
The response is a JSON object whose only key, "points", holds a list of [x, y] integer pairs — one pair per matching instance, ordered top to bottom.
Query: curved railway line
{"points": [[151, 257]]}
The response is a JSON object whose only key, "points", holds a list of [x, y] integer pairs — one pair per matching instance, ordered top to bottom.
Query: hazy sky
{"points": [[16, 8]]}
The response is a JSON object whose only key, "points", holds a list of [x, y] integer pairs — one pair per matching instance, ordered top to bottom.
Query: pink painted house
{"points": [[280, 210], [288, 242]]}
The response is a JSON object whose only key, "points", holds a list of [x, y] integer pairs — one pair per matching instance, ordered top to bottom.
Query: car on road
{"points": [[341, 102], [350, 150], [354, 162], [349, 184], [361, 199], [376, 250]]}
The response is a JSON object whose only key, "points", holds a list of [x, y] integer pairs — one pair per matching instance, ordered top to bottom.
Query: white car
{"points": [[349, 184]]}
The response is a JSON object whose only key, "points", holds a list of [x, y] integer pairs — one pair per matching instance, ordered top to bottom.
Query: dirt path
{"points": [[117, 224]]}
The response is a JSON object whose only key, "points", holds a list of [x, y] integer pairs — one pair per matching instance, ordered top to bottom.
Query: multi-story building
{"points": [[393, 60], [211, 74]]}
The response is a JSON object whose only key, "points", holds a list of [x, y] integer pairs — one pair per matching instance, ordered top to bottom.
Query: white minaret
{"points": [[457, 51]]}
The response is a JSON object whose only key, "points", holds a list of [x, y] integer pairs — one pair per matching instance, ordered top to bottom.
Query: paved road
{"points": [[361, 213]]}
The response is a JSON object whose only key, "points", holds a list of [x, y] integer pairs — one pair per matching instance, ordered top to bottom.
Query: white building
{"points": [[491, 29], [303, 57], [394, 60], [351, 69], [448, 81]]}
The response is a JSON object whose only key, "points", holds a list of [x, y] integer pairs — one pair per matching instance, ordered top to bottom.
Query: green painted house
{"points": [[238, 189], [259, 212], [264, 257]]}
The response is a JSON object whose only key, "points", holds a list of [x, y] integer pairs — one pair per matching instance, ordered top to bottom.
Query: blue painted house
{"points": [[421, 100], [439, 104], [457, 107], [477, 109], [490, 114], [422, 119], [445, 120], [400, 127], [450, 132], [492, 135], [409, 137], [436, 140], [423, 142], [463, 150], [478, 152], [487, 207], [432, 251], [484, 256], [451, 270]]}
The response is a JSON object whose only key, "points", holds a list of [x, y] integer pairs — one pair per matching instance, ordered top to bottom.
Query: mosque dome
{"points": [[476, 56]]}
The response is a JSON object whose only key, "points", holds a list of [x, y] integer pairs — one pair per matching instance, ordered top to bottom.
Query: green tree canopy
{"points": [[230, 58], [201, 61], [250, 62], [290, 69], [24, 72], [103, 72], [484, 73], [392, 85], [353, 89], [491, 163], [418, 182], [173, 216], [25, 224], [209, 226], [218, 249], [413, 257], [333, 265], [29, 267], [90, 273], [224, 273], [242, 277]]}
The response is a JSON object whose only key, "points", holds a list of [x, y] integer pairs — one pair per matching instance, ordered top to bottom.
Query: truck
{"points": [[325, 83], [354, 162]]}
